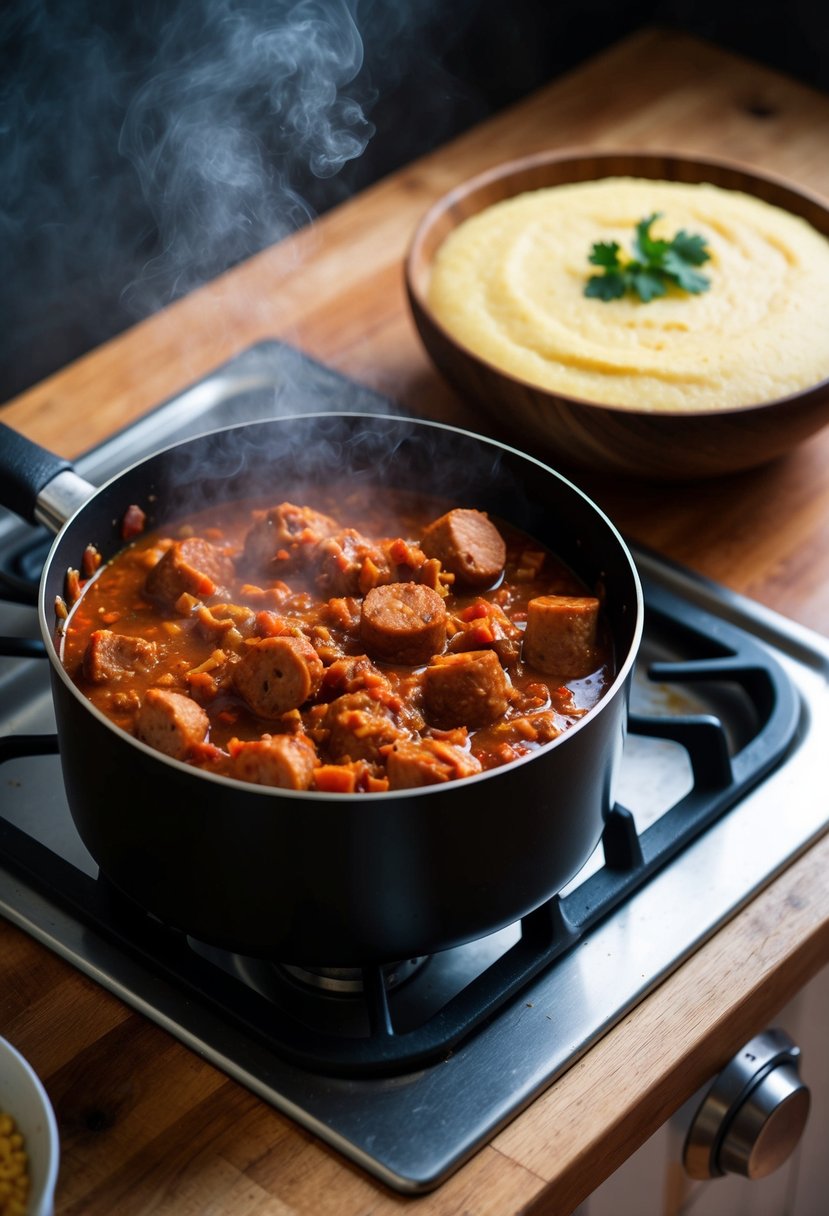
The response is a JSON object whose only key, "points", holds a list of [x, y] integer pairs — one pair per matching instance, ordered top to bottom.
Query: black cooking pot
{"points": [[332, 879]]}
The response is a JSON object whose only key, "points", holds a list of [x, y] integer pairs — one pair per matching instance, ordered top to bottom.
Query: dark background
{"points": [[147, 146]]}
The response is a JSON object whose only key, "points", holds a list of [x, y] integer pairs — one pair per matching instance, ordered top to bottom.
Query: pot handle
{"points": [[36, 484]]}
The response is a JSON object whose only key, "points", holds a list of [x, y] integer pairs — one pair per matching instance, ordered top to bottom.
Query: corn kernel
{"points": [[14, 1177]]}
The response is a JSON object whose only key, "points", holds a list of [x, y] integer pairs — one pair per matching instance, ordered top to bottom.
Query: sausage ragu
{"points": [[340, 646]]}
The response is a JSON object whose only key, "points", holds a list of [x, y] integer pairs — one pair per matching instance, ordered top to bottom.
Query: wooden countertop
{"points": [[146, 1125]]}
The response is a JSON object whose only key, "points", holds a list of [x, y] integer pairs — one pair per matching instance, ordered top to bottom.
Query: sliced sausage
{"points": [[285, 536], [468, 544], [193, 566], [403, 623], [560, 638], [109, 656], [277, 674], [467, 689], [170, 722], [357, 726], [284, 761], [430, 762]]}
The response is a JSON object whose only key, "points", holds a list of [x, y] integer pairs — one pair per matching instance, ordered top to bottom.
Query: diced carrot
{"points": [[400, 552], [204, 584], [474, 612], [269, 624], [203, 682], [332, 779]]}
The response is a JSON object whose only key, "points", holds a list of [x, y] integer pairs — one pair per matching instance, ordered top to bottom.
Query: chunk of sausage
{"points": [[285, 536], [468, 544], [193, 566], [403, 623], [560, 638], [109, 656], [277, 674], [467, 689], [170, 722], [358, 725], [284, 761], [430, 762]]}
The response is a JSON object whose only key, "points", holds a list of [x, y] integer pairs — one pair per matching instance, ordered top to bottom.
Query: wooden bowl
{"points": [[666, 445]]}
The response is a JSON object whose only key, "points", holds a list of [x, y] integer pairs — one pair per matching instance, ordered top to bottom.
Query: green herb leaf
{"points": [[690, 248], [646, 250], [606, 253], [655, 265], [683, 275], [647, 284], [609, 286]]}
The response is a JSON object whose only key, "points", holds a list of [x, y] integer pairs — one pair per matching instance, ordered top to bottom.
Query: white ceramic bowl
{"points": [[23, 1097]]}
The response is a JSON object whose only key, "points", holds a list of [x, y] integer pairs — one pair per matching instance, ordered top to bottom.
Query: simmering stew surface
{"points": [[345, 646]]}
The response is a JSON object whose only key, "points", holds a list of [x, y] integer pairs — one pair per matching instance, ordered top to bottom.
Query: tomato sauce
{"points": [[339, 645]]}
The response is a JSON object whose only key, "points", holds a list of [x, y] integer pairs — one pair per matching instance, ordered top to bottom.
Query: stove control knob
{"points": [[752, 1116]]}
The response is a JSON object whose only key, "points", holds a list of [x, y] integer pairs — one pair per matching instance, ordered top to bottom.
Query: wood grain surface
{"points": [[146, 1125]]}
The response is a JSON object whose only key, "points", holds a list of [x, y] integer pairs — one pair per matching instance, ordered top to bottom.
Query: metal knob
{"points": [[752, 1117]]}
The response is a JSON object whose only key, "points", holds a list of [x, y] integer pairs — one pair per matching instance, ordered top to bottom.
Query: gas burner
{"points": [[351, 981]]}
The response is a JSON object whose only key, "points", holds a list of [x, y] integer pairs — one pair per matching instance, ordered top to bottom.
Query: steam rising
{"points": [[240, 110], [147, 145]]}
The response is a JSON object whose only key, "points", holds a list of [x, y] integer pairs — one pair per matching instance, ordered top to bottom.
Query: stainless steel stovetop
{"points": [[413, 1127]]}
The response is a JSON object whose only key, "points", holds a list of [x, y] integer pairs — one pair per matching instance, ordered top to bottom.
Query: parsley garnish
{"points": [[653, 265]]}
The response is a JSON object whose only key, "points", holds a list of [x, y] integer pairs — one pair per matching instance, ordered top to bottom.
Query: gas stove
{"points": [[408, 1069]]}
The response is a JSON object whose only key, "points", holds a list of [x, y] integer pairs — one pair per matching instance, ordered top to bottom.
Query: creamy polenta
{"points": [[509, 284]]}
